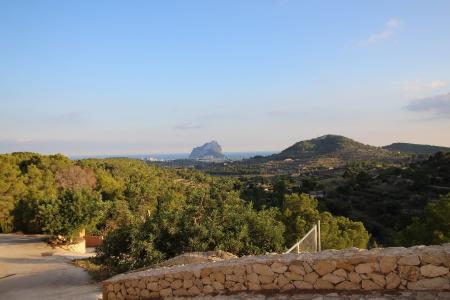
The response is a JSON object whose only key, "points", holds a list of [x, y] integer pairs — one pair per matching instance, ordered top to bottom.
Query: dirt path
{"points": [[26, 274]]}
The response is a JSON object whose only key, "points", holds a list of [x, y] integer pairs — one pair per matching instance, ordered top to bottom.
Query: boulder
{"points": [[409, 260], [388, 264], [278, 267], [324, 267], [262, 269], [433, 271], [392, 281], [429, 284], [347, 285]]}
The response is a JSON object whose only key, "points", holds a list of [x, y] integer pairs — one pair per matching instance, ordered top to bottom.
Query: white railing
{"points": [[317, 246]]}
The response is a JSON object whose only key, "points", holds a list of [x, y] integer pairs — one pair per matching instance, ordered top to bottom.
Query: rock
{"points": [[209, 151], [433, 257], [409, 260], [388, 264], [344, 265], [278, 267], [307, 267], [324, 267], [366, 268], [262, 269], [297, 269], [239, 270], [433, 271], [205, 272], [340, 273], [410, 273], [218, 276], [293, 276], [311, 277], [354, 277], [235, 278], [253, 278], [266, 279], [334, 279], [378, 279], [207, 280], [282, 280], [392, 281], [188, 283], [163, 284], [176, 284], [321, 284], [429, 284], [302, 285], [347, 285], [368, 285], [217, 286], [254, 286], [269, 286], [238, 287], [288, 287], [207, 289], [193, 290], [166, 292], [180, 292]]}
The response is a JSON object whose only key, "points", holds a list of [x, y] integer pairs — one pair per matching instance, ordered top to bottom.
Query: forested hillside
{"points": [[388, 200], [149, 213]]}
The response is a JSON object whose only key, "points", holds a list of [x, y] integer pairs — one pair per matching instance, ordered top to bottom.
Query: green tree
{"points": [[72, 211], [433, 228]]}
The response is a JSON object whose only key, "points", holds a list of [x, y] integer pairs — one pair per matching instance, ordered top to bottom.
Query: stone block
{"points": [[409, 260], [388, 264], [278, 267], [324, 267], [262, 269], [433, 271], [303, 285]]}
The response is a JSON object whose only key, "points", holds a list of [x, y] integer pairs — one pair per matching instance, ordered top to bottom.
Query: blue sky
{"points": [[95, 77]]}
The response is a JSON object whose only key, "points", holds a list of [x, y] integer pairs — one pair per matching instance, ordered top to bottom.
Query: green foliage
{"points": [[387, 200], [72, 211], [148, 213], [300, 214], [433, 228]]}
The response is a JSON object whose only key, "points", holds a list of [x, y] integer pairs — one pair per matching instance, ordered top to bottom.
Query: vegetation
{"points": [[416, 148], [387, 200], [148, 213]]}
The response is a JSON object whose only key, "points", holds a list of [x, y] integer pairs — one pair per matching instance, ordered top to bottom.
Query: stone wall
{"points": [[355, 270]]}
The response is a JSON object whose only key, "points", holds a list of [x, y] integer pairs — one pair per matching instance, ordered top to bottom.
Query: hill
{"points": [[325, 145], [416, 148], [333, 151]]}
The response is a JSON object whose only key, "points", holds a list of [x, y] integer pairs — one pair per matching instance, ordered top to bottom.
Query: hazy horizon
{"points": [[89, 78]]}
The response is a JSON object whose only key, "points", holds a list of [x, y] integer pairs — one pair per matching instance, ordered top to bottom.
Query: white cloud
{"points": [[389, 30], [438, 84], [420, 86]]}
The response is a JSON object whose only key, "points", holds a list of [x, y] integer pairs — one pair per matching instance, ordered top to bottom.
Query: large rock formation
{"points": [[211, 151]]}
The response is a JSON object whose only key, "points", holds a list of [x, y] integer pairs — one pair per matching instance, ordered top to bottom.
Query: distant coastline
{"points": [[172, 156]]}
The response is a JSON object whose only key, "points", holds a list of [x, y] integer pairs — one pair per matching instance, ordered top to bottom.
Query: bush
{"points": [[73, 211]]}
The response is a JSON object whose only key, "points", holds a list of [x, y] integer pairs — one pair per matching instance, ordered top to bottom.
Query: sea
{"points": [[173, 156]]}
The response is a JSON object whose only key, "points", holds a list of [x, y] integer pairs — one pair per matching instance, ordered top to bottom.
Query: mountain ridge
{"points": [[416, 148]]}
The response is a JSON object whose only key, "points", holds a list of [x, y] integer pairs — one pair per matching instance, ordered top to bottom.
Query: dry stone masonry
{"points": [[416, 269]]}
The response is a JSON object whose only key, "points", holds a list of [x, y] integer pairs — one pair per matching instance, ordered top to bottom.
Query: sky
{"points": [[123, 77]]}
